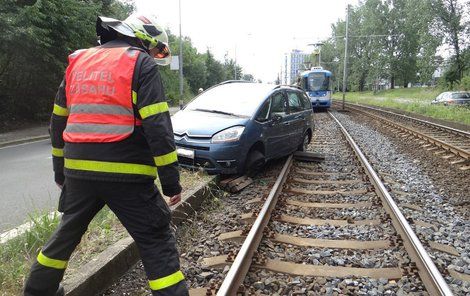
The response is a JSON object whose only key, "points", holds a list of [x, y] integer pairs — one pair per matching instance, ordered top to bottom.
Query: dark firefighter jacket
{"points": [[150, 147]]}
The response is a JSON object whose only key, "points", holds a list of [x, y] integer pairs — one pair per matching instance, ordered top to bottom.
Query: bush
{"points": [[465, 83]]}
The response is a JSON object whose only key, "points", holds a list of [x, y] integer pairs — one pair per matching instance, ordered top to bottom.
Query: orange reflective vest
{"points": [[99, 95]]}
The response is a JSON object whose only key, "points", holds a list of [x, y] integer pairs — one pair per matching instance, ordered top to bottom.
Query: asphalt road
{"points": [[26, 183]]}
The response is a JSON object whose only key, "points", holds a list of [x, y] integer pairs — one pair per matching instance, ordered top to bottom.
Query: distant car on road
{"points": [[453, 98], [237, 126]]}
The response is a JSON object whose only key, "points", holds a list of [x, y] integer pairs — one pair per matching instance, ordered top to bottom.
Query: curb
{"points": [[23, 140], [104, 270]]}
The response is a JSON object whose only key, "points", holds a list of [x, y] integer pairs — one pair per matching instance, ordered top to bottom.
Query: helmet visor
{"points": [[161, 53]]}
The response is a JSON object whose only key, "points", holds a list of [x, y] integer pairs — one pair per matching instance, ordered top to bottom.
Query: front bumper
{"points": [[320, 102], [225, 158]]}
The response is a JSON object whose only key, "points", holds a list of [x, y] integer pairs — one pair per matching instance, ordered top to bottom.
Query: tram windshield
{"points": [[318, 82]]}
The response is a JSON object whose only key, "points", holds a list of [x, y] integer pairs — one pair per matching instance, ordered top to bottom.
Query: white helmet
{"points": [[144, 28], [152, 35]]}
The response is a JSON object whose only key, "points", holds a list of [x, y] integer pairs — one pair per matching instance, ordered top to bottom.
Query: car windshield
{"points": [[461, 96], [236, 99]]}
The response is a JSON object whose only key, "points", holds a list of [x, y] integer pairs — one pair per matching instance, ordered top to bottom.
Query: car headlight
{"points": [[229, 135]]}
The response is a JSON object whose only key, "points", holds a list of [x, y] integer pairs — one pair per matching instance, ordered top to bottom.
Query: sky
{"points": [[256, 33]]}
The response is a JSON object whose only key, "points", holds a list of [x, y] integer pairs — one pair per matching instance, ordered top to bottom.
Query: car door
{"points": [[296, 118], [276, 130]]}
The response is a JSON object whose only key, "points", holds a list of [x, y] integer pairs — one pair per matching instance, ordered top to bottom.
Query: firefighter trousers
{"points": [[142, 211]]}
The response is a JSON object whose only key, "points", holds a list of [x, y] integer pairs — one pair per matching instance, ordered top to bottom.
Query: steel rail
{"points": [[440, 126], [444, 145], [240, 266], [430, 275]]}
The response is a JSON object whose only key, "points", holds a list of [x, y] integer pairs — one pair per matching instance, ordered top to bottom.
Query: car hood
{"points": [[203, 124]]}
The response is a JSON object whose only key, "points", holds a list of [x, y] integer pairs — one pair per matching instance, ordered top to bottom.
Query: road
{"points": [[27, 182]]}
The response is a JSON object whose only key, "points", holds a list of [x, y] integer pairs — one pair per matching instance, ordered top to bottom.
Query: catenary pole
{"points": [[181, 56], [345, 70]]}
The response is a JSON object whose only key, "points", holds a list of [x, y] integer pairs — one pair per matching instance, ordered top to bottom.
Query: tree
{"points": [[452, 26], [37, 37]]}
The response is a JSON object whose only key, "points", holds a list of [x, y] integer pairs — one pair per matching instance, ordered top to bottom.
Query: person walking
{"points": [[111, 134]]}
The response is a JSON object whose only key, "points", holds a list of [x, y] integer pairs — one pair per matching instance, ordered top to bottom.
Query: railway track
{"points": [[449, 143], [323, 228]]}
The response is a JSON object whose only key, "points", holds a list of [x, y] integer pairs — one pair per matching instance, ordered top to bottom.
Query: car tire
{"points": [[305, 141], [254, 163]]}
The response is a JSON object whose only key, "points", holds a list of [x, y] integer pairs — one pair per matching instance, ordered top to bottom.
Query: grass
{"points": [[415, 100], [18, 254]]}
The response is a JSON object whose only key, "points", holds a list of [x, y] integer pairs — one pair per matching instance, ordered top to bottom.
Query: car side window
{"points": [[306, 101], [278, 104], [295, 104], [263, 113]]}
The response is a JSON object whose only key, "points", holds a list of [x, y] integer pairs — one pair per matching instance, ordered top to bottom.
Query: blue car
{"points": [[237, 126]]}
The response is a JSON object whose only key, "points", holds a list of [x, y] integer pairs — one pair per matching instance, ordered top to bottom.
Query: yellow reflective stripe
{"points": [[134, 97], [153, 109], [60, 111], [57, 152], [166, 159], [110, 167], [52, 263], [167, 281]]}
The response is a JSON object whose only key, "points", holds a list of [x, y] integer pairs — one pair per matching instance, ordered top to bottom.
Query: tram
{"points": [[316, 82]]}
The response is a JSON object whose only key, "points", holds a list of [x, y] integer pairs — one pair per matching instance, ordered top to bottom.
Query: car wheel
{"points": [[305, 141], [254, 162]]}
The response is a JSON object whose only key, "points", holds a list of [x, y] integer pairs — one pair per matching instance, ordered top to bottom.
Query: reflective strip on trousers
{"points": [[100, 109], [153, 109], [60, 111], [98, 128], [57, 152], [166, 159], [110, 167], [52, 263], [167, 281]]}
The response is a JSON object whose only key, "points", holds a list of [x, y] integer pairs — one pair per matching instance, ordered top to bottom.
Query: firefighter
{"points": [[111, 134]]}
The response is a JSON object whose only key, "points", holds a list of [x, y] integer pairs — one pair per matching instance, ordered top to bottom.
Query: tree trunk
{"points": [[392, 82]]}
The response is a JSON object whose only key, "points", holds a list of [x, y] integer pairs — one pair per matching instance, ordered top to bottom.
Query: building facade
{"points": [[295, 62]]}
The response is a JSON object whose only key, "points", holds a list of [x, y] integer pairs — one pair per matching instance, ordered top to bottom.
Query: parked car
{"points": [[453, 98], [237, 126]]}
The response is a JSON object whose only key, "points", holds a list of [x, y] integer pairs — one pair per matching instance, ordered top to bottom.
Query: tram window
{"points": [[295, 104]]}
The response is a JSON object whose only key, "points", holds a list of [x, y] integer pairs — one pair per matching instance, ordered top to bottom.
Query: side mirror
{"points": [[276, 118]]}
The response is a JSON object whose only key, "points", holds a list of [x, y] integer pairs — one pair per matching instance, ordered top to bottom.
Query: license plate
{"points": [[185, 153]]}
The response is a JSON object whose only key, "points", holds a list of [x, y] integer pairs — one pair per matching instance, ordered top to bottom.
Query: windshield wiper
{"points": [[216, 111]]}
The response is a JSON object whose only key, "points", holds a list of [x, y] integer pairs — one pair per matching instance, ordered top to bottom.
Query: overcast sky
{"points": [[256, 32]]}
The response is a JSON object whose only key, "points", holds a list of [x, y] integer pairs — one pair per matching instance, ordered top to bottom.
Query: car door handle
{"points": [[287, 123]]}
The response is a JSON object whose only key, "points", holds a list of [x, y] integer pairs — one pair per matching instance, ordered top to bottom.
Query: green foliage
{"points": [[453, 26], [37, 37], [394, 42], [34, 46], [465, 83], [415, 100], [17, 255]]}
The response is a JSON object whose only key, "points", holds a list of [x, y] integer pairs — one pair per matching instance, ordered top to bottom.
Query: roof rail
{"points": [[233, 81], [288, 85]]}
